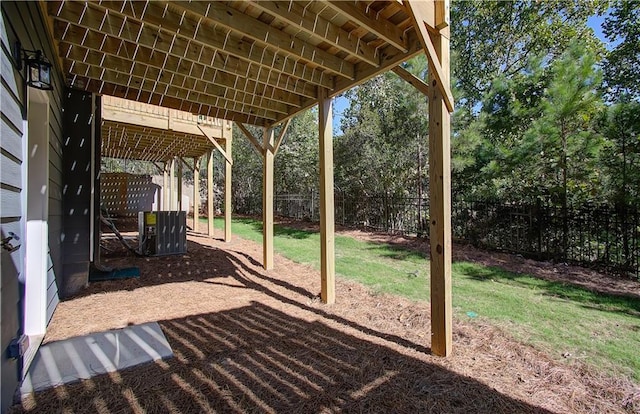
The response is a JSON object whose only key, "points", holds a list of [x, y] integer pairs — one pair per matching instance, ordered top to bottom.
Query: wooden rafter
{"points": [[233, 20], [369, 20], [164, 28], [320, 29], [188, 74], [186, 94], [155, 98]]}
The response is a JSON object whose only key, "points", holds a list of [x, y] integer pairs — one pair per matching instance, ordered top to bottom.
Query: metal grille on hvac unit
{"points": [[162, 232]]}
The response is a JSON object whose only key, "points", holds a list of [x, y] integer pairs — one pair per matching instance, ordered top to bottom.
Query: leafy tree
{"points": [[492, 38], [622, 65], [384, 130], [560, 150], [621, 153], [297, 163], [246, 170]]}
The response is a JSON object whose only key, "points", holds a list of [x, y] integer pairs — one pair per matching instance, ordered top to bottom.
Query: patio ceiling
{"points": [[256, 62], [140, 131], [133, 142]]}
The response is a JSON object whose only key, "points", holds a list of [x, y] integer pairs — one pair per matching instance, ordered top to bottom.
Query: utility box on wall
{"points": [[162, 232]]}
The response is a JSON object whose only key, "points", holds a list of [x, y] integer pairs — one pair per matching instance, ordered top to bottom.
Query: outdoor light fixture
{"points": [[38, 68]]}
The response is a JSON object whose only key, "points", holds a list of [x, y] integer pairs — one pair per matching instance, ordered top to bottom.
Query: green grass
{"points": [[602, 330]]}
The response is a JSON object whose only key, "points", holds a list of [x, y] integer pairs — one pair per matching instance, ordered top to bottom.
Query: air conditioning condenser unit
{"points": [[162, 232]]}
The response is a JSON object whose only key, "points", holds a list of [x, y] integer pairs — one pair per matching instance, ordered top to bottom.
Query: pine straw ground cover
{"points": [[249, 340]]}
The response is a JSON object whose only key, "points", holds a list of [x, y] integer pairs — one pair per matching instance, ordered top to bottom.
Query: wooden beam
{"points": [[217, 14], [441, 14], [319, 28], [167, 29], [384, 29], [390, 57], [435, 65], [227, 71], [197, 77], [411, 79], [140, 83], [155, 98], [281, 135], [251, 138], [217, 145], [185, 163], [159, 168], [227, 189], [196, 193], [210, 199], [267, 200], [440, 206], [327, 225]]}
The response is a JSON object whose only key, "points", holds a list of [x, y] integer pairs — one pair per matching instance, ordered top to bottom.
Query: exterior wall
{"points": [[22, 21]]}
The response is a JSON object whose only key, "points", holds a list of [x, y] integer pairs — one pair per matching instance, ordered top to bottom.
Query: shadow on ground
{"points": [[258, 359]]}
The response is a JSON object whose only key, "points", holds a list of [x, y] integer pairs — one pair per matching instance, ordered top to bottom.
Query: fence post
{"points": [[385, 206], [539, 225]]}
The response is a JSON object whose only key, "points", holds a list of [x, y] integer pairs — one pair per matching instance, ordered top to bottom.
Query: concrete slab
{"points": [[83, 357]]}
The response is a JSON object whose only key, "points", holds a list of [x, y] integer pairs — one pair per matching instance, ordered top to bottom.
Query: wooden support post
{"points": [[172, 185], [165, 186], [227, 190], [196, 193], [179, 196], [210, 199], [267, 199], [440, 202], [327, 252]]}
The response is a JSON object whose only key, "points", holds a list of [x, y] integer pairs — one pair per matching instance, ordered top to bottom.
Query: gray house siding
{"points": [[23, 21]]}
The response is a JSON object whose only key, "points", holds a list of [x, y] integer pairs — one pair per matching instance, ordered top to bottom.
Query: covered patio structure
{"points": [[261, 63], [166, 137]]}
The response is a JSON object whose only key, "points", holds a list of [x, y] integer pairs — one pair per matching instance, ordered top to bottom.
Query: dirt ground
{"points": [[250, 340]]}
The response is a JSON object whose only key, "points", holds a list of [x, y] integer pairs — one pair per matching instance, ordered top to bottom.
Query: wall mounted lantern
{"points": [[37, 66]]}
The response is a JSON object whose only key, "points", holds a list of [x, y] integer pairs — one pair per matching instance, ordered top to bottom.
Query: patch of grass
{"points": [[603, 330]]}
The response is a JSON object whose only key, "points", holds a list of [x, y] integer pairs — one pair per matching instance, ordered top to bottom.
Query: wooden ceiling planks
{"points": [[255, 62], [135, 130], [127, 141]]}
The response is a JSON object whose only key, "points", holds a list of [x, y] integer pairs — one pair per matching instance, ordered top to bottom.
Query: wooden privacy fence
{"points": [[123, 194], [596, 236]]}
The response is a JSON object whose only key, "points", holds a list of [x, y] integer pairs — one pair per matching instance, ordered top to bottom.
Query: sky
{"points": [[341, 103]]}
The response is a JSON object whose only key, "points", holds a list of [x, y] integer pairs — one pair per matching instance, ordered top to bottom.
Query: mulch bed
{"points": [[250, 340]]}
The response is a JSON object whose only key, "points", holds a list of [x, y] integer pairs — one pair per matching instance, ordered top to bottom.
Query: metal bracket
{"points": [[7, 245], [18, 347]]}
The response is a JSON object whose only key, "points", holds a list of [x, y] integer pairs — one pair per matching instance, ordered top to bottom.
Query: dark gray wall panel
{"points": [[76, 198]]}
